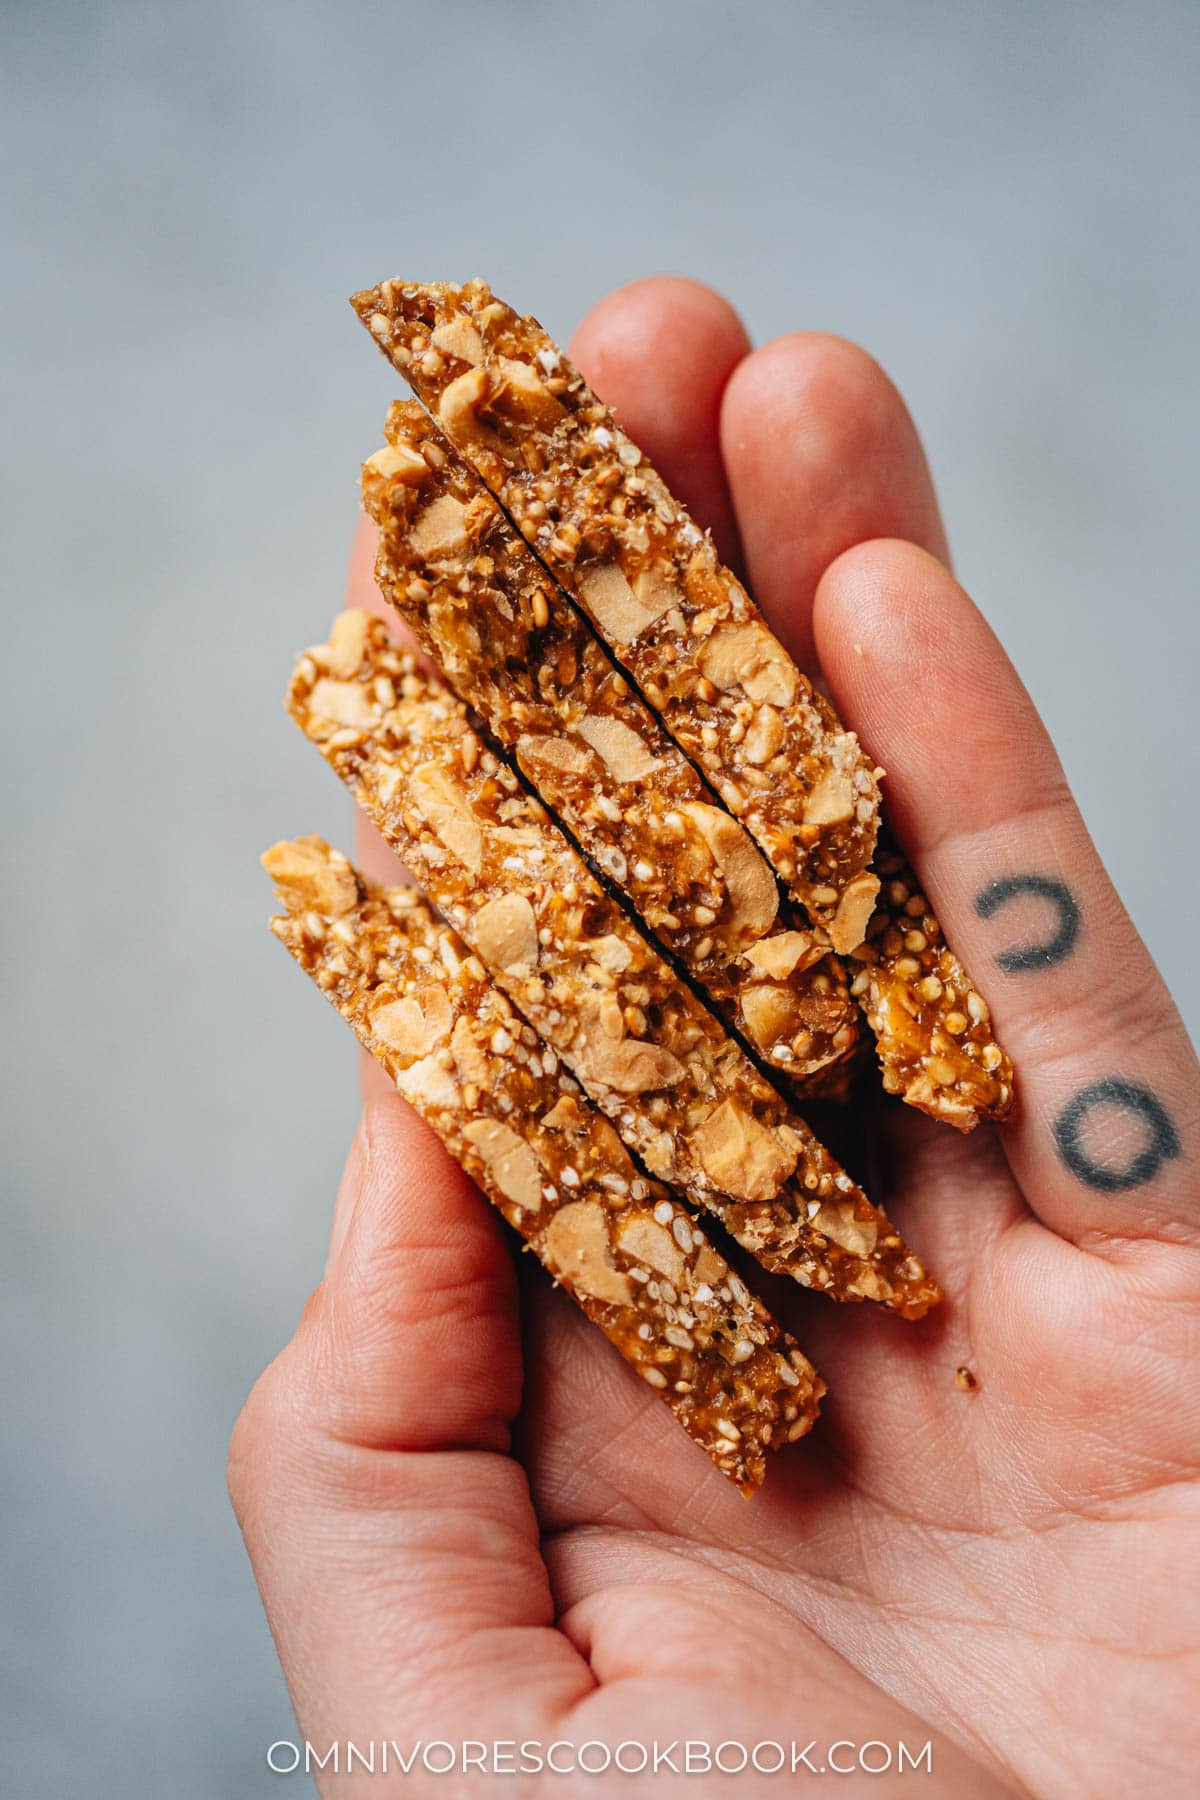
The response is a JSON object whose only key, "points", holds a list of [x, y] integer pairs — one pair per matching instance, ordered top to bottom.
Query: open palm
{"points": [[470, 1521]]}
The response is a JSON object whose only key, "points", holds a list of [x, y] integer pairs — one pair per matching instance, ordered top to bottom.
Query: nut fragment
{"points": [[458, 337], [527, 396], [460, 403], [397, 463], [441, 529], [656, 591], [620, 614], [347, 641], [747, 656], [344, 702], [764, 736], [621, 749], [554, 753], [831, 801], [448, 815], [311, 878], [753, 895], [849, 923], [506, 934], [611, 952], [782, 952], [770, 1013], [415, 1024], [469, 1059], [625, 1064], [427, 1082], [564, 1115], [740, 1155], [510, 1161], [836, 1220], [644, 1240], [576, 1246]]}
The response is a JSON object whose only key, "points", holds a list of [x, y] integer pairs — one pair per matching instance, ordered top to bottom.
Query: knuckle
{"points": [[267, 1420], [254, 1431]]}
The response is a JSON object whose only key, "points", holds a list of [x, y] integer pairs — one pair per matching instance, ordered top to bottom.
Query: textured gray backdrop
{"points": [[998, 201]]}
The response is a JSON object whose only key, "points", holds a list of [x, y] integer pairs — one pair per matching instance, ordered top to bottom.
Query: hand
{"points": [[461, 1530]]}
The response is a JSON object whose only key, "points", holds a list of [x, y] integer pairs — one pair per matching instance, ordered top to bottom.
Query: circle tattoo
{"points": [[1043, 887], [1162, 1139]]}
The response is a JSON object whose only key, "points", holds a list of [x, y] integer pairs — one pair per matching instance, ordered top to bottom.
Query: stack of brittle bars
{"points": [[657, 915]]}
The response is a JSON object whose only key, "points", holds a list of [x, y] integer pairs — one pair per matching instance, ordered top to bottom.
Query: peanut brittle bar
{"points": [[604, 523], [521, 655], [932, 1027], [682, 1093], [629, 1255]]}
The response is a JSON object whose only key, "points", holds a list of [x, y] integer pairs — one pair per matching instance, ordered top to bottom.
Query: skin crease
{"points": [[462, 1526]]}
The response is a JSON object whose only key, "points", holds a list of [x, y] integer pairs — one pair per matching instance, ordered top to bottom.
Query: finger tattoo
{"points": [[1053, 949], [1161, 1138]]}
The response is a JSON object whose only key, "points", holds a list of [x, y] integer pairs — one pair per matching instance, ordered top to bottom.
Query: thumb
{"points": [[392, 1536]]}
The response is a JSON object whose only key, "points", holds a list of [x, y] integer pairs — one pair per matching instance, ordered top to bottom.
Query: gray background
{"points": [[998, 201]]}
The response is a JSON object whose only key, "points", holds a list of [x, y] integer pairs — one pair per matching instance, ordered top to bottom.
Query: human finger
{"points": [[821, 454], [1106, 1130], [391, 1533]]}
